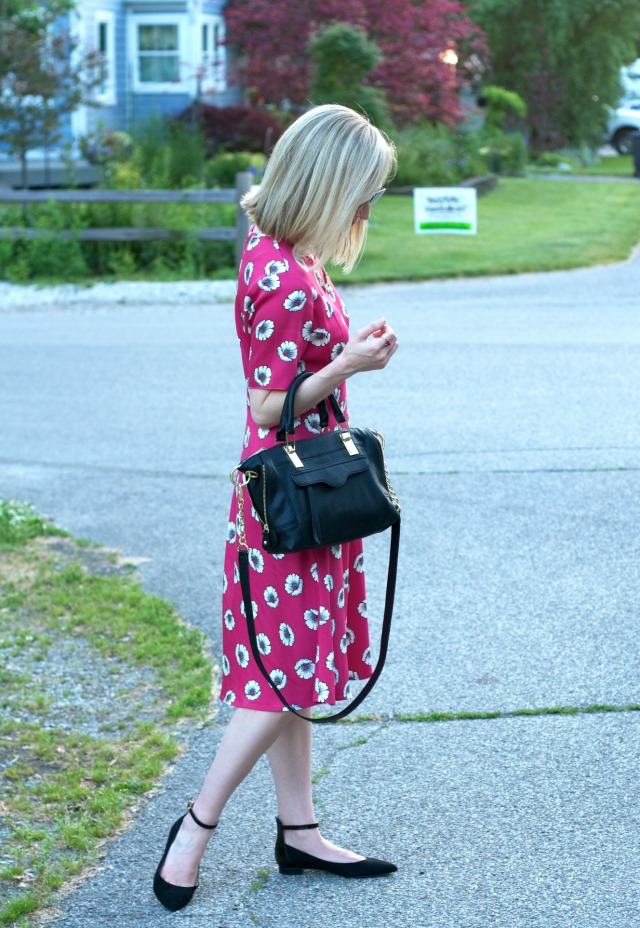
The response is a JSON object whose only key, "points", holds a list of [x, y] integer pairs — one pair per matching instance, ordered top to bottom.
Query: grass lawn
{"points": [[606, 166], [610, 166], [528, 224], [97, 683]]}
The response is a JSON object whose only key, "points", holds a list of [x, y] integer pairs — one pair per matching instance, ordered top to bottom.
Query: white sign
{"points": [[451, 210]]}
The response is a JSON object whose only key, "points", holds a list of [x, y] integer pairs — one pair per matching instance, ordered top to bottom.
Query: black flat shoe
{"points": [[291, 861], [176, 897]]}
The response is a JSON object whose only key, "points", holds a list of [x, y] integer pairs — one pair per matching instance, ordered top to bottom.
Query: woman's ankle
{"points": [[192, 835]]}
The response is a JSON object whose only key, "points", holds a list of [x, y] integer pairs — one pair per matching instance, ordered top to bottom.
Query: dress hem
{"points": [[240, 704]]}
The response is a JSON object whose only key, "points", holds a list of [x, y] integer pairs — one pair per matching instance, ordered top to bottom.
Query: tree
{"points": [[428, 49], [563, 57], [342, 59], [43, 76], [502, 107]]}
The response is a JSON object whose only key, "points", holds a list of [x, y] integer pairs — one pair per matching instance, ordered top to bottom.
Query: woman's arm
{"points": [[368, 349]]}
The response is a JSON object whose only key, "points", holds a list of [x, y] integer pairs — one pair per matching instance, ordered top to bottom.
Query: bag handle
{"points": [[287, 417], [245, 585]]}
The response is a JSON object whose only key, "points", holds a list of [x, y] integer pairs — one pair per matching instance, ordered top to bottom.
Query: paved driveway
{"points": [[512, 422]]}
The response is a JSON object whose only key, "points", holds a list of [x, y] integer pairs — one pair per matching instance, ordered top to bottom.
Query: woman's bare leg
{"points": [[248, 735], [290, 760]]}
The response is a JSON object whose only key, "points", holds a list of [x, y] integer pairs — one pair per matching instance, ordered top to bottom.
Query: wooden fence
{"points": [[236, 233]]}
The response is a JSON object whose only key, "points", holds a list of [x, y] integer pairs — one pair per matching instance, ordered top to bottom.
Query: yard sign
{"points": [[451, 210]]}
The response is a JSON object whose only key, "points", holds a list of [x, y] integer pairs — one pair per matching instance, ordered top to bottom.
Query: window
{"points": [[105, 44], [158, 54], [214, 55], [158, 57]]}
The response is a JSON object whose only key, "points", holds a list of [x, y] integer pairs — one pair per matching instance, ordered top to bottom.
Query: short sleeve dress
{"points": [[310, 606]]}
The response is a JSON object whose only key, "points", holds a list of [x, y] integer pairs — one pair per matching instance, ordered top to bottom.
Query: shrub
{"points": [[504, 108], [233, 128], [150, 139], [104, 145], [503, 152], [167, 154], [187, 155], [434, 155], [547, 159], [221, 170], [46, 256], [53, 256], [181, 257]]}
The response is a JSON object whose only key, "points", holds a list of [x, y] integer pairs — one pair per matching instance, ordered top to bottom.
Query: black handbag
{"points": [[322, 491]]}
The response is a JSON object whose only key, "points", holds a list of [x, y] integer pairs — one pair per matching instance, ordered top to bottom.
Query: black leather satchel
{"points": [[325, 490], [321, 491]]}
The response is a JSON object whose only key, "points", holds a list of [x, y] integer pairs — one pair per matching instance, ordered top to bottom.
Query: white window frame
{"points": [[106, 18], [77, 27], [213, 60], [185, 83]]}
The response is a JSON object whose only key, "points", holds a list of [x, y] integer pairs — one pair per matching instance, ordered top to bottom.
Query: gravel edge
{"points": [[139, 293]]}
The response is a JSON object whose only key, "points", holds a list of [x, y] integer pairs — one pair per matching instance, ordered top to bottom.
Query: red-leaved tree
{"points": [[414, 36]]}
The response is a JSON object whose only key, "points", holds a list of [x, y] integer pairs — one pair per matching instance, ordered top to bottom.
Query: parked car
{"points": [[630, 80], [623, 123]]}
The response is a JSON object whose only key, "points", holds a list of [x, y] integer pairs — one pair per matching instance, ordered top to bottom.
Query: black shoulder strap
{"points": [[243, 557]]}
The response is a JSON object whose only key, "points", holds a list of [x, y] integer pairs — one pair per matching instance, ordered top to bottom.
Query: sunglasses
{"points": [[374, 198]]}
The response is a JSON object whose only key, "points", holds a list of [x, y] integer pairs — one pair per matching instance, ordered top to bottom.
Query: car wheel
{"points": [[622, 141]]}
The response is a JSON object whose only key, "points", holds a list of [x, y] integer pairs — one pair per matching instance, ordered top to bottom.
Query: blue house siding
{"points": [[128, 98], [137, 100], [144, 106]]}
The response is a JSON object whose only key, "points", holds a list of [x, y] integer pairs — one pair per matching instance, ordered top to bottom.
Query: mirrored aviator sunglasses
{"points": [[376, 196]]}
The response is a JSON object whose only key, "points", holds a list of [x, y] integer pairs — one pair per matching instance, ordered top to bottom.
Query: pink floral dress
{"points": [[310, 607]]}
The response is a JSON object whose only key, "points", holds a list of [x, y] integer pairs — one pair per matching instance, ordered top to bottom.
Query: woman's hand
{"points": [[368, 349]]}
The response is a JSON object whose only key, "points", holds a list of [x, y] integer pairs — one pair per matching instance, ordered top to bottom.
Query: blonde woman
{"points": [[312, 208]]}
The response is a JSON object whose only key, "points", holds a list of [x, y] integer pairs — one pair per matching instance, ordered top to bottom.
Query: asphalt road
{"points": [[512, 422]]}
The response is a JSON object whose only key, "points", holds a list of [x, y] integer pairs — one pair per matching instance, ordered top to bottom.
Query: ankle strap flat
{"points": [[197, 820], [297, 827], [290, 860]]}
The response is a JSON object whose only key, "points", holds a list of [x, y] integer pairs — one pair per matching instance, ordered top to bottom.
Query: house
{"points": [[159, 56]]}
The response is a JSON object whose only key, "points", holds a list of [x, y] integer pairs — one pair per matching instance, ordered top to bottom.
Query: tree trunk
{"points": [[23, 168]]}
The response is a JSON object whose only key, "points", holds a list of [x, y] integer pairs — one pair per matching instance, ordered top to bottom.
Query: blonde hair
{"points": [[327, 164]]}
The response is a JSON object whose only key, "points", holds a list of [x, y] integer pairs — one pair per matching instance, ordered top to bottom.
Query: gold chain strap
{"points": [[240, 480], [392, 493]]}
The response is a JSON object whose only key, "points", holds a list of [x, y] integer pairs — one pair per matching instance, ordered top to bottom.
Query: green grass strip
{"points": [[612, 166], [469, 716], [72, 768]]}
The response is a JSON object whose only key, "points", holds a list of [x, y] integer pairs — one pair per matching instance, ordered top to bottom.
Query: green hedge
{"points": [[165, 156], [438, 156], [49, 258]]}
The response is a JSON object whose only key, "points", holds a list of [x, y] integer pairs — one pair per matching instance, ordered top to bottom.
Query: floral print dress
{"points": [[310, 607]]}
